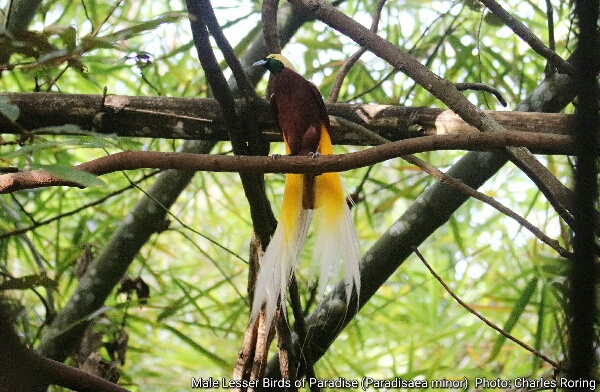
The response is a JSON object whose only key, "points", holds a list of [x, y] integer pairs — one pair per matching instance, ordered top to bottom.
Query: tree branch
{"points": [[269, 21], [526, 35], [243, 84], [482, 87], [203, 119], [130, 160], [263, 220], [582, 313]]}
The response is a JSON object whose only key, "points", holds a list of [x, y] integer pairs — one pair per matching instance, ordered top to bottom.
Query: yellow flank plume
{"points": [[336, 242], [283, 253]]}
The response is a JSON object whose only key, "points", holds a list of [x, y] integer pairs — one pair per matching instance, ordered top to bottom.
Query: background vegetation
{"points": [[193, 321]]}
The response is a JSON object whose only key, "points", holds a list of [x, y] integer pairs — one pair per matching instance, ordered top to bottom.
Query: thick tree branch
{"points": [[269, 21], [243, 84], [202, 119], [130, 160], [263, 219], [582, 359]]}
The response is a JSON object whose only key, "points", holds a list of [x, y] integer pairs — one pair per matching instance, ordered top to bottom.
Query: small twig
{"points": [[110, 13], [526, 35], [440, 43], [345, 68], [550, 69], [55, 80], [374, 87], [482, 87], [11, 126], [461, 186], [24, 210], [75, 211], [479, 316], [300, 328], [263, 342], [247, 354], [287, 357], [243, 365]]}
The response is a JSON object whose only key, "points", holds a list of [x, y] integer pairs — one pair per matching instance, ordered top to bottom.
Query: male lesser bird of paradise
{"points": [[304, 124]]}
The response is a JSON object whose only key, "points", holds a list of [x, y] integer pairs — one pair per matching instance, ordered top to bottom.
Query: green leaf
{"points": [[169, 17], [69, 37], [8, 109], [68, 173], [28, 282], [516, 313], [213, 357]]}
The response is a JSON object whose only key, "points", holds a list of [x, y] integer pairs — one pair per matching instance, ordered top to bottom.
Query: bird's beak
{"points": [[259, 63]]}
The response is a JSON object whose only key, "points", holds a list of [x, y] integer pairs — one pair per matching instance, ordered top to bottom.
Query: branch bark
{"points": [[202, 118], [130, 160], [582, 358]]}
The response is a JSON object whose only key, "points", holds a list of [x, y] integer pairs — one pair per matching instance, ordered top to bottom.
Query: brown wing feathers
{"points": [[299, 112]]}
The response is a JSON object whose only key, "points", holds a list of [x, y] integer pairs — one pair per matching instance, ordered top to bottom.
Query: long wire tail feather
{"points": [[336, 241], [283, 253]]}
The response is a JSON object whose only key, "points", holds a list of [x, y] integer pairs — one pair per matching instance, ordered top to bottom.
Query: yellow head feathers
{"points": [[275, 63]]}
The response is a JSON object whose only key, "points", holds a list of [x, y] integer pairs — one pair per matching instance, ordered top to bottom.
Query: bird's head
{"points": [[275, 63]]}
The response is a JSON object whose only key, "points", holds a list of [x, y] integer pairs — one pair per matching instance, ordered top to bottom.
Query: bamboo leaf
{"points": [[68, 173], [516, 313], [225, 365]]}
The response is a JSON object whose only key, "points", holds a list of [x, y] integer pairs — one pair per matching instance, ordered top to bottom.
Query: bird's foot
{"points": [[313, 154], [275, 156]]}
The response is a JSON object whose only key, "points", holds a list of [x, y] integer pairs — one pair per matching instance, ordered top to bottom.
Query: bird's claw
{"points": [[313, 154], [275, 156]]}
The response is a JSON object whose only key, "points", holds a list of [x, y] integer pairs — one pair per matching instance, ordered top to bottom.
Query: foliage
{"points": [[193, 322]]}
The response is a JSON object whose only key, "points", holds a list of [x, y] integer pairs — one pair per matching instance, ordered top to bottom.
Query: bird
{"points": [[304, 124]]}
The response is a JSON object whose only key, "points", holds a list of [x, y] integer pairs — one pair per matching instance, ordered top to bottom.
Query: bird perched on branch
{"points": [[304, 124]]}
